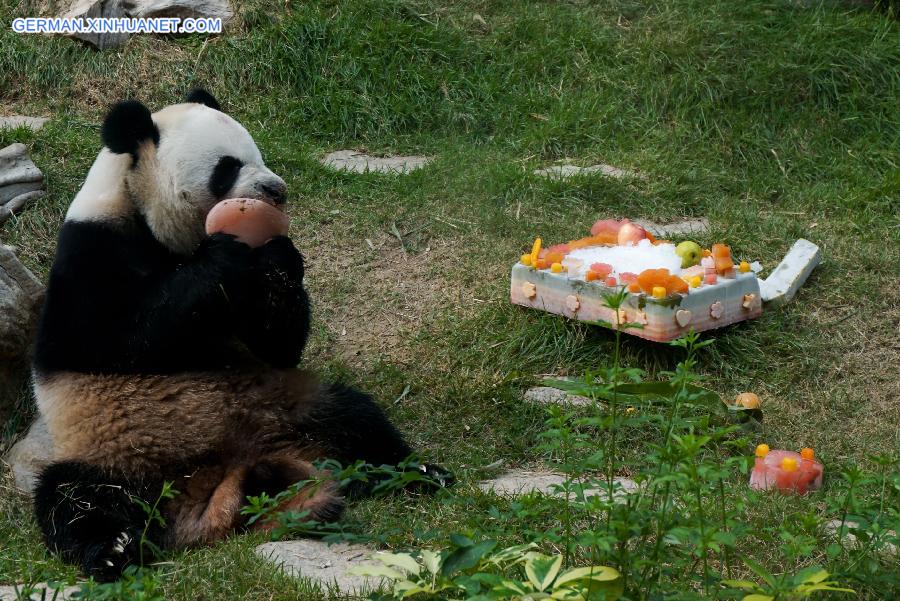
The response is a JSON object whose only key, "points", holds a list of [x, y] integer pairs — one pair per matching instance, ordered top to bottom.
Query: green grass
{"points": [[776, 120]]}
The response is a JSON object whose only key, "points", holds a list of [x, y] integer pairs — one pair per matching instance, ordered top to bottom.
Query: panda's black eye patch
{"points": [[224, 175]]}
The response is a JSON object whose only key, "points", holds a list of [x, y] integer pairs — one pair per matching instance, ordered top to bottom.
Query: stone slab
{"points": [[141, 9], [14, 121], [360, 162], [566, 171], [681, 227], [785, 280], [547, 395], [523, 482], [326, 564], [41, 591]]}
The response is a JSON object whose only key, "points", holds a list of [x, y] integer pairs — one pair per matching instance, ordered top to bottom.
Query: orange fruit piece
{"points": [[722, 256], [554, 257], [590, 276], [634, 287]]}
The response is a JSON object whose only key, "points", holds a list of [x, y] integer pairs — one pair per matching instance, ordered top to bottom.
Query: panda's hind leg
{"points": [[351, 426], [319, 495], [92, 519]]}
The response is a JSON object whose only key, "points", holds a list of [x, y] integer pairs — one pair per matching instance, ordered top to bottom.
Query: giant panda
{"points": [[164, 354]]}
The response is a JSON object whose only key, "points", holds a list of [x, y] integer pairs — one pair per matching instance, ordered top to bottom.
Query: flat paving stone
{"points": [[14, 121], [360, 162], [565, 171], [681, 227], [547, 395], [522, 482], [327, 564], [39, 591]]}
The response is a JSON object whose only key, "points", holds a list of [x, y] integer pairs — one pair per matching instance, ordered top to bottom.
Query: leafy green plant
{"points": [[470, 570], [801, 585]]}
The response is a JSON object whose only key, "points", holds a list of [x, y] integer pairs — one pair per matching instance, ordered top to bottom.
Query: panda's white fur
{"points": [[169, 185]]}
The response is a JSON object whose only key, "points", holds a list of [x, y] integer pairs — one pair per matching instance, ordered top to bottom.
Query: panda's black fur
{"points": [[162, 360]]}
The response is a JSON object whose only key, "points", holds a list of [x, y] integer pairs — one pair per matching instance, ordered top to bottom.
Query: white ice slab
{"points": [[783, 283]]}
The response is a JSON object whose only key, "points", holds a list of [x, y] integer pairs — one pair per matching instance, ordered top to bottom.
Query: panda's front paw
{"points": [[278, 259], [438, 476], [111, 558]]}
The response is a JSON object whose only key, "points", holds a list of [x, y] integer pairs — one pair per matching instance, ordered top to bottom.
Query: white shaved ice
{"points": [[634, 259]]}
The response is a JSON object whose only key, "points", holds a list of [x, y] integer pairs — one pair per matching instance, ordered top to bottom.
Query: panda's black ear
{"points": [[201, 96], [127, 126]]}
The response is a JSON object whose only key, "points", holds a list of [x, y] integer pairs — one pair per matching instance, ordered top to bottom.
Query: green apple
{"points": [[689, 252]]}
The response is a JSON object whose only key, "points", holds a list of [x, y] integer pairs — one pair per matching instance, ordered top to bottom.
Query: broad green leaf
{"points": [[461, 541], [466, 557], [431, 560], [403, 561], [377, 571], [541, 571], [761, 572], [595, 573], [815, 577], [740, 584], [756, 597]]}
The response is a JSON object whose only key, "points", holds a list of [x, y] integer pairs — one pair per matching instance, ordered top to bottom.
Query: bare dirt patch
{"points": [[373, 300]]}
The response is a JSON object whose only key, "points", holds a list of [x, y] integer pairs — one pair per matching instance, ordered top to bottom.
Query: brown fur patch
{"points": [[138, 424]]}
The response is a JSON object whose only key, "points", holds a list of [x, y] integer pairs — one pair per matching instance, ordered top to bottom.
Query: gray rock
{"points": [[96, 9], [142, 9], [14, 121], [359, 162], [566, 171], [21, 182], [682, 227], [21, 295], [547, 395], [29, 456], [523, 482], [833, 529], [326, 564], [42, 591]]}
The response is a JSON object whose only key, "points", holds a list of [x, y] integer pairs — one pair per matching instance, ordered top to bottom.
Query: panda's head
{"points": [[171, 167]]}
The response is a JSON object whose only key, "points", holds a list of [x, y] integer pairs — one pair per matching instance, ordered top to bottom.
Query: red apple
{"points": [[630, 234]]}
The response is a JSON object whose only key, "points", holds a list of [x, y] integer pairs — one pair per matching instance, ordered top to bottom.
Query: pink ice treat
{"points": [[252, 221], [604, 226], [708, 262], [601, 269], [627, 277], [710, 278], [611, 282], [768, 473]]}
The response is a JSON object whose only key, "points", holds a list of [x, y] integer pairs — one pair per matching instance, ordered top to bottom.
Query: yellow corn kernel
{"points": [[535, 250], [526, 259], [744, 267], [556, 268], [696, 281], [659, 292], [762, 450], [789, 464]]}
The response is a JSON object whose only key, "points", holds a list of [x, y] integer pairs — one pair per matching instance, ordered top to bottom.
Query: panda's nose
{"points": [[276, 191]]}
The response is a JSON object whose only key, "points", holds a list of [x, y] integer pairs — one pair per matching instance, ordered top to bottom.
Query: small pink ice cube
{"points": [[601, 269], [710, 278], [611, 282]]}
